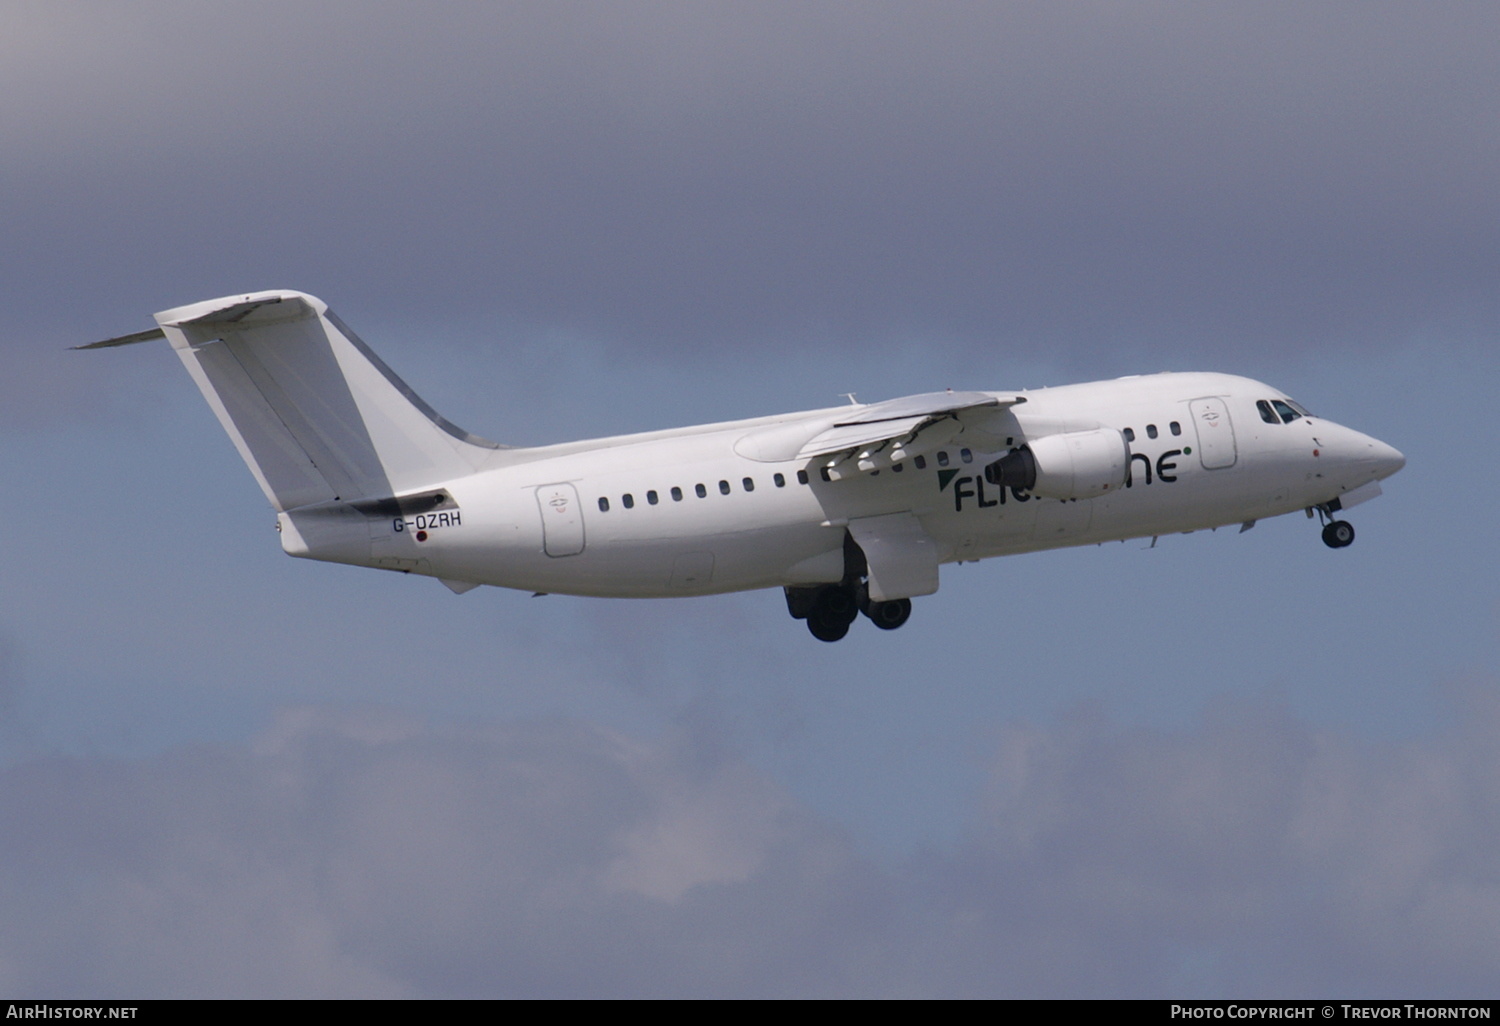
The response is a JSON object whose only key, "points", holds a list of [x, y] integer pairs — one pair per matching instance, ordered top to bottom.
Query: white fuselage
{"points": [[852, 509], [698, 510]]}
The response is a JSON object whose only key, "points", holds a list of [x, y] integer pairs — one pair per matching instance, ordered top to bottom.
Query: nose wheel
{"points": [[1336, 533]]}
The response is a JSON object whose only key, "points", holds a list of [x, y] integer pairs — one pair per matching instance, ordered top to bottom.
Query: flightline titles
{"points": [[1342, 1011]]}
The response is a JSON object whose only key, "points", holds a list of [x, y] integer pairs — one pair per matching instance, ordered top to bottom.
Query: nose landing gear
{"points": [[1336, 533]]}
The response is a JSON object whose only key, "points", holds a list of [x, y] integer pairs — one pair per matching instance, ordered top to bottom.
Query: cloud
{"points": [[1069, 180], [929, 194], [366, 853], [1252, 856]]}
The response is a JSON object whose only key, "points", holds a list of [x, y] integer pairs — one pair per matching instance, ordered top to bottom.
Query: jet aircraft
{"points": [[850, 510]]}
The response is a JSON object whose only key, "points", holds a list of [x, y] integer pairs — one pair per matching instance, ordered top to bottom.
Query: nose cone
{"points": [[1362, 457], [1386, 459]]}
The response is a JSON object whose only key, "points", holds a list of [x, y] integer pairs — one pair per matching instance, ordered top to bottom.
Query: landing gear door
{"points": [[1215, 433], [562, 519], [902, 557]]}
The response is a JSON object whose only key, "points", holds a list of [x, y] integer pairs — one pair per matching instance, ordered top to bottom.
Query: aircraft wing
{"points": [[897, 424], [879, 433]]}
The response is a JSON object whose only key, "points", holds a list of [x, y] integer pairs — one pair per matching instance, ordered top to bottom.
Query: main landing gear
{"points": [[1336, 533], [831, 609], [830, 613]]}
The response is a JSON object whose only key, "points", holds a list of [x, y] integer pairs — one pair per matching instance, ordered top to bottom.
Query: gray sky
{"points": [[1231, 765]]}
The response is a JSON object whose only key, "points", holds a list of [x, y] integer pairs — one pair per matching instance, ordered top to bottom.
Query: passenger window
{"points": [[1266, 413], [1287, 413], [1176, 428], [1150, 430], [1129, 434], [966, 455], [942, 457], [921, 462], [896, 468], [823, 473], [802, 477], [779, 479], [749, 484], [723, 487], [702, 491], [676, 494], [651, 497], [628, 501], [603, 504]]}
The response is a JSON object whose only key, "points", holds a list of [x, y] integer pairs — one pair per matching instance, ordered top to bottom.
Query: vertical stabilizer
{"points": [[316, 415]]}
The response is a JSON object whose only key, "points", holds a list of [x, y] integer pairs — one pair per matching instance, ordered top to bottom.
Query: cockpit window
{"points": [[1301, 410], [1266, 413], [1288, 414]]}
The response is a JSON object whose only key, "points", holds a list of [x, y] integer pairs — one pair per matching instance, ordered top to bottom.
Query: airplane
{"points": [[850, 510]]}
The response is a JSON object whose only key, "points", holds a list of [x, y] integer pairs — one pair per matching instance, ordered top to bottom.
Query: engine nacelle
{"points": [[1073, 465]]}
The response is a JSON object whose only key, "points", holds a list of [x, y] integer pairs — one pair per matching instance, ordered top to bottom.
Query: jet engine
{"points": [[1072, 465]]}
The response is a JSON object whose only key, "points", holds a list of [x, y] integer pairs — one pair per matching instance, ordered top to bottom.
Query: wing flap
{"points": [[926, 404], [892, 427], [901, 428], [856, 436]]}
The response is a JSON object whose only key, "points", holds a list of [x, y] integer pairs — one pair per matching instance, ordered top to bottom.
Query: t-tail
{"points": [[336, 440]]}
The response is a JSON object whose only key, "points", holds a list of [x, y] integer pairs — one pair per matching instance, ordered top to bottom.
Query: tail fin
{"points": [[316, 415]]}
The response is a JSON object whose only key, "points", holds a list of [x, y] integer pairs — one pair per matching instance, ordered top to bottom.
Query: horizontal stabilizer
{"points": [[126, 340], [406, 505]]}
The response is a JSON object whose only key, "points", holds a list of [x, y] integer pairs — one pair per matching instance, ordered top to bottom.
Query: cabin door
{"points": [[1215, 433], [562, 519]]}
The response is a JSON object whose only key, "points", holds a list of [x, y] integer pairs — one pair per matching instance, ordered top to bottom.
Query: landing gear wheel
{"points": [[1338, 534], [832, 612], [889, 615], [826, 630]]}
